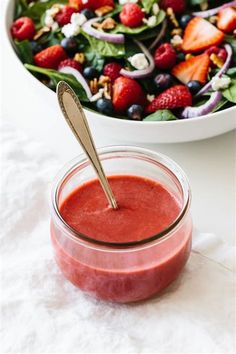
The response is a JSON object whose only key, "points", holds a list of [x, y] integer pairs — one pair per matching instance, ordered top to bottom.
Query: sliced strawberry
{"points": [[90, 4], [227, 20], [200, 34], [50, 57], [195, 68], [126, 92], [174, 97]]}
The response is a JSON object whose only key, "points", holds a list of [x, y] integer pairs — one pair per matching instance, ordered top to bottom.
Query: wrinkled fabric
{"points": [[41, 312]]}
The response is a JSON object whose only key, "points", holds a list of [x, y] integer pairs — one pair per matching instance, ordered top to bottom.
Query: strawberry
{"points": [[90, 4], [178, 6], [64, 15], [131, 15], [227, 20], [23, 28], [200, 34], [165, 56], [50, 57], [72, 63], [195, 68], [112, 70], [126, 92], [174, 97]]}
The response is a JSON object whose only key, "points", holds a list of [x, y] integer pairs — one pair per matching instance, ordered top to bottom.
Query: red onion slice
{"points": [[214, 11], [160, 35], [107, 37], [222, 71], [138, 74], [79, 77], [191, 112]]}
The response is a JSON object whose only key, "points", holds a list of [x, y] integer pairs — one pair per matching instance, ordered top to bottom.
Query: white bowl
{"points": [[125, 130]]}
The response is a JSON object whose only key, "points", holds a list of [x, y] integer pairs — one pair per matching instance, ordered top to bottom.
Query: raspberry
{"points": [[178, 6], [131, 15], [63, 17], [23, 28], [220, 52], [165, 56], [50, 57], [72, 63], [112, 70], [174, 97]]}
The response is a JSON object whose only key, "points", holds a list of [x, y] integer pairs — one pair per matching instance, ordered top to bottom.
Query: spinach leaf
{"points": [[196, 2], [147, 5], [20, 7], [38, 8], [120, 28], [232, 41], [105, 49], [24, 51], [95, 60], [231, 72], [56, 76], [230, 92], [161, 115]]}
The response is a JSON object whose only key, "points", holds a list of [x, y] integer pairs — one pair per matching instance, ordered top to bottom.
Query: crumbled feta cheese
{"points": [[123, 2], [155, 9], [50, 14], [78, 19], [48, 21], [150, 21], [55, 26], [73, 28], [70, 30], [176, 40], [138, 61], [220, 83], [97, 95], [150, 98]]}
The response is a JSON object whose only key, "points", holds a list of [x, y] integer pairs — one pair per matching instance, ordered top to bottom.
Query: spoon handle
{"points": [[75, 117]]}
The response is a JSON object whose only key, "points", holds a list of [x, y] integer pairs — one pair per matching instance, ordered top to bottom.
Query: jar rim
{"points": [[166, 162]]}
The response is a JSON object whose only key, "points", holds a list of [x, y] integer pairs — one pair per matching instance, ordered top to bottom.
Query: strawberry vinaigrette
{"points": [[127, 254]]}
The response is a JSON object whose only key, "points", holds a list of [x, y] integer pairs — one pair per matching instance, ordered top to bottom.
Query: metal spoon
{"points": [[75, 117]]}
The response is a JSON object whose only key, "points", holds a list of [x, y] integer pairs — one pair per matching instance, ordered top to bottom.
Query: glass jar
{"points": [[122, 272]]}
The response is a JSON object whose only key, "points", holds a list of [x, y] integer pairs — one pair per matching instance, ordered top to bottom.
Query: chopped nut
{"points": [[204, 5], [57, 7], [103, 10], [170, 13], [213, 19], [107, 24], [177, 31], [41, 32], [176, 41], [188, 56], [79, 57], [216, 60], [103, 80], [93, 84], [107, 90], [97, 95]]}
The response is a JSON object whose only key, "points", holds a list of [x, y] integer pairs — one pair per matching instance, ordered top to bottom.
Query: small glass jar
{"points": [[122, 272]]}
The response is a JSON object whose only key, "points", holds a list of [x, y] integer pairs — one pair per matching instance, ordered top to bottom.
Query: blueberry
{"points": [[88, 13], [184, 20], [70, 45], [36, 47], [180, 56], [90, 73], [163, 81], [194, 86], [104, 106], [135, 112]]}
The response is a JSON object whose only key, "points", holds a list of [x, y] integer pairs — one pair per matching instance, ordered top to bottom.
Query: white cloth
{"points": [[41, 312]]}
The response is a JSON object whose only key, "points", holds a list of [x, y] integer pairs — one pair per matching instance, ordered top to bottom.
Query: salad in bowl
{"points": [[141, 60]]}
